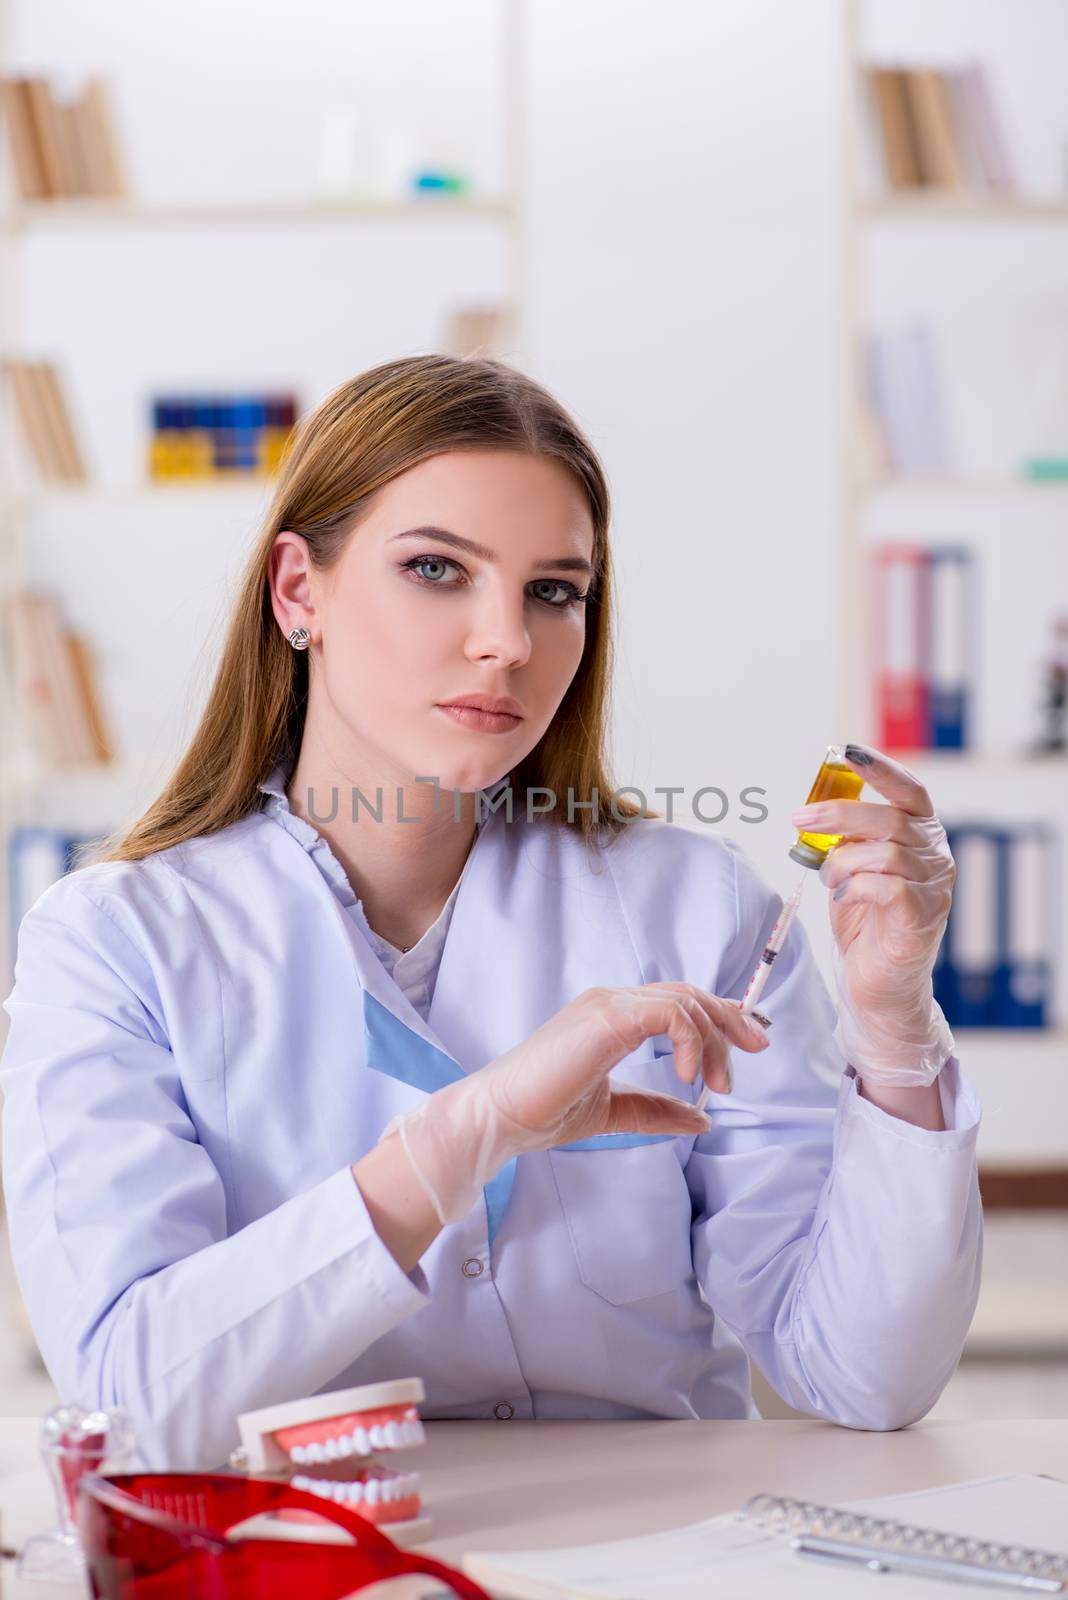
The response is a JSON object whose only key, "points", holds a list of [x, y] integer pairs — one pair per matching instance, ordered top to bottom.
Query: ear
{"points": [[289, 572]]}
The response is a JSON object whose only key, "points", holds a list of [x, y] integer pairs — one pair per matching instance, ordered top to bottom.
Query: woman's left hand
{"points": [[892, 881]]}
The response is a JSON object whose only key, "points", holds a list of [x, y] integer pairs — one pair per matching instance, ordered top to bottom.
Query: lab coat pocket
{"points": [[628, 1213]]}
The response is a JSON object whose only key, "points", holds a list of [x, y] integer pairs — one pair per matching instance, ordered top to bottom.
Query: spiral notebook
{"points": [[993, 1536]]}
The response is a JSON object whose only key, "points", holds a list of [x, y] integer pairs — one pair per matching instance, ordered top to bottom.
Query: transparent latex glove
{"points": [[891, 879], [554, 1088]]}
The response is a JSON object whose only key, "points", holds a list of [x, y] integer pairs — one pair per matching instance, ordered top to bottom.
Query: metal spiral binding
{"points": [[783, 1515]]}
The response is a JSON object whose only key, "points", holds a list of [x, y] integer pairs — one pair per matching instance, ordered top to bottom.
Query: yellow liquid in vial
{"points": [[834, 781]]}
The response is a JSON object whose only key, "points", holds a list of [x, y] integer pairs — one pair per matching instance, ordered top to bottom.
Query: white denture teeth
{"points": [[377, 1435], [393, 1435], [363, 1441], [332, 1448], [298, 1454], [310, 1485], [372, 1491]]}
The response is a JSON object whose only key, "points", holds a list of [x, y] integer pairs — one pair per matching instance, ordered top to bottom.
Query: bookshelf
{"points": [[959, 208], [91, 213], [1003, 784], [94, 797]]}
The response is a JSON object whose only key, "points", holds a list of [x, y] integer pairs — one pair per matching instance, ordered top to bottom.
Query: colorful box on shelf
{"points": [[208, 436], [1046, 469]]}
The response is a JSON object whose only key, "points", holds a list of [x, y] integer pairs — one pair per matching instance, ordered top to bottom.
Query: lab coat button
{"points": [[472, 1268], [502, 1411]]}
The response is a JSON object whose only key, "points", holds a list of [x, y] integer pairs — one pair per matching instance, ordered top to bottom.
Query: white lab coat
{"points": [[203, 1043]]}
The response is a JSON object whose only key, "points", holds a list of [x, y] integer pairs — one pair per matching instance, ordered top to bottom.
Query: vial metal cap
{"points": [[807, 856]]}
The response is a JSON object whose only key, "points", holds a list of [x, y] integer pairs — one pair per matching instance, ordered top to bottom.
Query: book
{"points": [[931, 111], [978, 114], [895, 127], [939, 128], [49, 139], [61, 148], [24, 152], [103, 155], [478, 330], [905, 395], [59, 416], [35, 419], [45, 420], [210, 435], [952, 610], [925, 645], [901, 646], [55, 685], [33, 686], [100, 738], [37, 857], [974, 934], [995, 963], [1024, 980], [999, 1526]]}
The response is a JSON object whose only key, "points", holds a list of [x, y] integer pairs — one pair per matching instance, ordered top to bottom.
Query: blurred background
{"points": [[801, 272]]}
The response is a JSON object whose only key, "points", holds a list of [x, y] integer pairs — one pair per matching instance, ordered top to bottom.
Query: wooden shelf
{"points": [[947, 206], [28, 214], [248, 484], [995, 486], [977, 761], [126, 772], [1054, 1036]]}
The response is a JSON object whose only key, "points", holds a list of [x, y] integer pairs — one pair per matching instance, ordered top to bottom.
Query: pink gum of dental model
{"points": [[329, 1444]]}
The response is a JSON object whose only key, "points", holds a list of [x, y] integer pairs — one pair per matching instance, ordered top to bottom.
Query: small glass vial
{"points": [[836, 780]]}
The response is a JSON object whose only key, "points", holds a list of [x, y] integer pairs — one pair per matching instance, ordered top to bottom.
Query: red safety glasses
{"points": [[166, 1536]]}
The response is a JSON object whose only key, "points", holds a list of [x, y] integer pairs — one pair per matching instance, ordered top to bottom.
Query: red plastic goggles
{"points": [[165, 1536]]}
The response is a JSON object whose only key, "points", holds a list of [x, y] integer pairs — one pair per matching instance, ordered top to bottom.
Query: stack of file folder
{"points": [[925, 606], [996, 961]]}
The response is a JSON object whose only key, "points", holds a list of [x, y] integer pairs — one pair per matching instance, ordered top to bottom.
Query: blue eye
{"points": [[429, 561], [571, 596]]}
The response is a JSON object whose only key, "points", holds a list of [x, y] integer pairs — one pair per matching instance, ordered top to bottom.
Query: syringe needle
{"points": [[762, 970]]}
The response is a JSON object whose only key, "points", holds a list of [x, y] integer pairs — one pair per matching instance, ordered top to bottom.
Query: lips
{"points": [[496, 705], [484, 713], [481, 721]]}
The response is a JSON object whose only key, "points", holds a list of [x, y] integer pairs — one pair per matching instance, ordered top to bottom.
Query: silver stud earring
{"points": [[299, 638]]}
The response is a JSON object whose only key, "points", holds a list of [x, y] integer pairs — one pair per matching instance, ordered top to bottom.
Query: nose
{"points": [[498, 631]]}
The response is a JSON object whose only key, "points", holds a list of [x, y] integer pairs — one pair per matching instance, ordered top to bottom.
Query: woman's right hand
{"points": [[554, 1087]]}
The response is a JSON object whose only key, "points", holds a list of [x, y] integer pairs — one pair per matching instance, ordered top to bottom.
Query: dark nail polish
{"points": [[857, 754]]}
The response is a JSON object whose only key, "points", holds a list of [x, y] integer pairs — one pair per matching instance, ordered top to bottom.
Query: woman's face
{"points": [[412, 615]]}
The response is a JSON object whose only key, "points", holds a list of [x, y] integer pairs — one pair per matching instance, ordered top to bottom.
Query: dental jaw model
{"points": [[340, 1446]]}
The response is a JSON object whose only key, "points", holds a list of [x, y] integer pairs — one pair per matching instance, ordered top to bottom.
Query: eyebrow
{"points": [[567, 563]]}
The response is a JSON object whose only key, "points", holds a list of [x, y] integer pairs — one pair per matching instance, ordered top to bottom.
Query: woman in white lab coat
{"points": [[330, 1072]]}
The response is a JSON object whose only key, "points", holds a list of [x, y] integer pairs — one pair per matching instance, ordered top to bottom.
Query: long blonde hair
{"points": [[359, 438]]}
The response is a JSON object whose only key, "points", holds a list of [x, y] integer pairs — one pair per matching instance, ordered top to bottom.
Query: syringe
{"points": [[776, 940]]}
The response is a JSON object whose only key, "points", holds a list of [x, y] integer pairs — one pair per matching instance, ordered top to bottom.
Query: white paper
{"points": [[731, 1558]]}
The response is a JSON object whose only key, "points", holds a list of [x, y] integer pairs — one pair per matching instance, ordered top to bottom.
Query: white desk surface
{"points": [[517, 1485]]}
